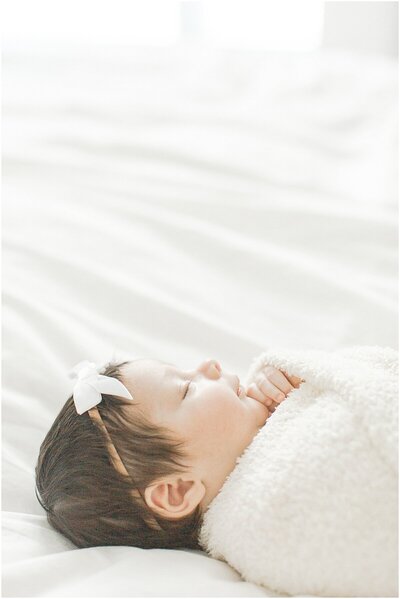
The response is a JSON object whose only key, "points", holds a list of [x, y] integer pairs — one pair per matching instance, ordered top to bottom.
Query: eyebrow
{"points": [[167, 373]]}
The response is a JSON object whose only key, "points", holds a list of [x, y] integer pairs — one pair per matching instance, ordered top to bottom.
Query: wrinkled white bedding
{"points": [[179, 205]]}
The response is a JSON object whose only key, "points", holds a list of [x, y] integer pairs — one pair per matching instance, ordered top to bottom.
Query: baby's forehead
{"points": [[147, 364], [144, 370]]}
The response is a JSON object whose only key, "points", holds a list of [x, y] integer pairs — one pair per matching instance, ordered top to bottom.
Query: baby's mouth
{"points": [[238, 387], [241, 392]]}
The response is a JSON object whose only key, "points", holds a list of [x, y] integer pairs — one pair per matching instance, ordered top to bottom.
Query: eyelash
{"points": [[187, 389]]}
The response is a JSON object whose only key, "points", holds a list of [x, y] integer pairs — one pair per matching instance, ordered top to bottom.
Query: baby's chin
{"points": [[259, 410]]}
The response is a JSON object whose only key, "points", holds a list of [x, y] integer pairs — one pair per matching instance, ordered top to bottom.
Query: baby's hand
{"points": [[272, 386]]}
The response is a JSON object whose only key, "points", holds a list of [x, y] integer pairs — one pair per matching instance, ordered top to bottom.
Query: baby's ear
{"points": [[174, 497]]}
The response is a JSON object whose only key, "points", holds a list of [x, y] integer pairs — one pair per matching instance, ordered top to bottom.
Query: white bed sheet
{"points": [[179, 204]]}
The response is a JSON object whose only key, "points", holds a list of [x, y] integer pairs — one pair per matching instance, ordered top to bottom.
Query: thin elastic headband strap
{"points": [[114, 455], [116, 460]]}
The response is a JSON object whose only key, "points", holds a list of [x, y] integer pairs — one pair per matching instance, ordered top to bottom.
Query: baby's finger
{"points": [[277, 378], [294, 380], [270, 390], [256, 393], [273, 407]]}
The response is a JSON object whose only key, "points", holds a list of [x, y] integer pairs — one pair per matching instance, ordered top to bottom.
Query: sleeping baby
{"points": [[279, 476]]}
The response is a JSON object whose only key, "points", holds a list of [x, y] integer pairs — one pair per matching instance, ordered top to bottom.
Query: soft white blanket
{"points": [[311, 506]]}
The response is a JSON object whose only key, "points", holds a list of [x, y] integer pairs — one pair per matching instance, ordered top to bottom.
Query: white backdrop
{"points": [[361, 26]]}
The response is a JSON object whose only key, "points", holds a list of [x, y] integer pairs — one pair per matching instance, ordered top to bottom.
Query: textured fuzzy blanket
{"points": [[311, 507]]}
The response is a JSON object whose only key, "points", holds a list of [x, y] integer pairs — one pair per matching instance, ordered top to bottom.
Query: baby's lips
{"points": [[241, 392]]}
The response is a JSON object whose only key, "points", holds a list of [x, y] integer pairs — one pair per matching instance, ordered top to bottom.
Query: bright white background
{"points": [[364, 26]]}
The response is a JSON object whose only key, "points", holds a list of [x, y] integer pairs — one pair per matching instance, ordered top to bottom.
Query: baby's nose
{"points": [[210, 367]]}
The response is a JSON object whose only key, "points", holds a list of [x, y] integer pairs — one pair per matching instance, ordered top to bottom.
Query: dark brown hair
{"points": [[87, 500]]}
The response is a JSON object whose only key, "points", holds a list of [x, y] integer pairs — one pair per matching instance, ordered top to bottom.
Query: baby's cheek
{"points": [[226, 419], [214, 420]]}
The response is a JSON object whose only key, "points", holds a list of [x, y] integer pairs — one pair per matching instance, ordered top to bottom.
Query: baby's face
{"points": [[200, 407]]}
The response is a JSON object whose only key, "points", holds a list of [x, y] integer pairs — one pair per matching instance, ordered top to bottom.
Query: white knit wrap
{"points": [[311, 507]]}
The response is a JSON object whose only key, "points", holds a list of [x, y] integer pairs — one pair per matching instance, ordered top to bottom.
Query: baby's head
{"points": [[177, 441]]}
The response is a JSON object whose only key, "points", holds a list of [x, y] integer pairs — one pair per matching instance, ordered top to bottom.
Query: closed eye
{"points": [[186, 390]]}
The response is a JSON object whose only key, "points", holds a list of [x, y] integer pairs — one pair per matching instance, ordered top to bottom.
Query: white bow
{"points": [[90, 385]]}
